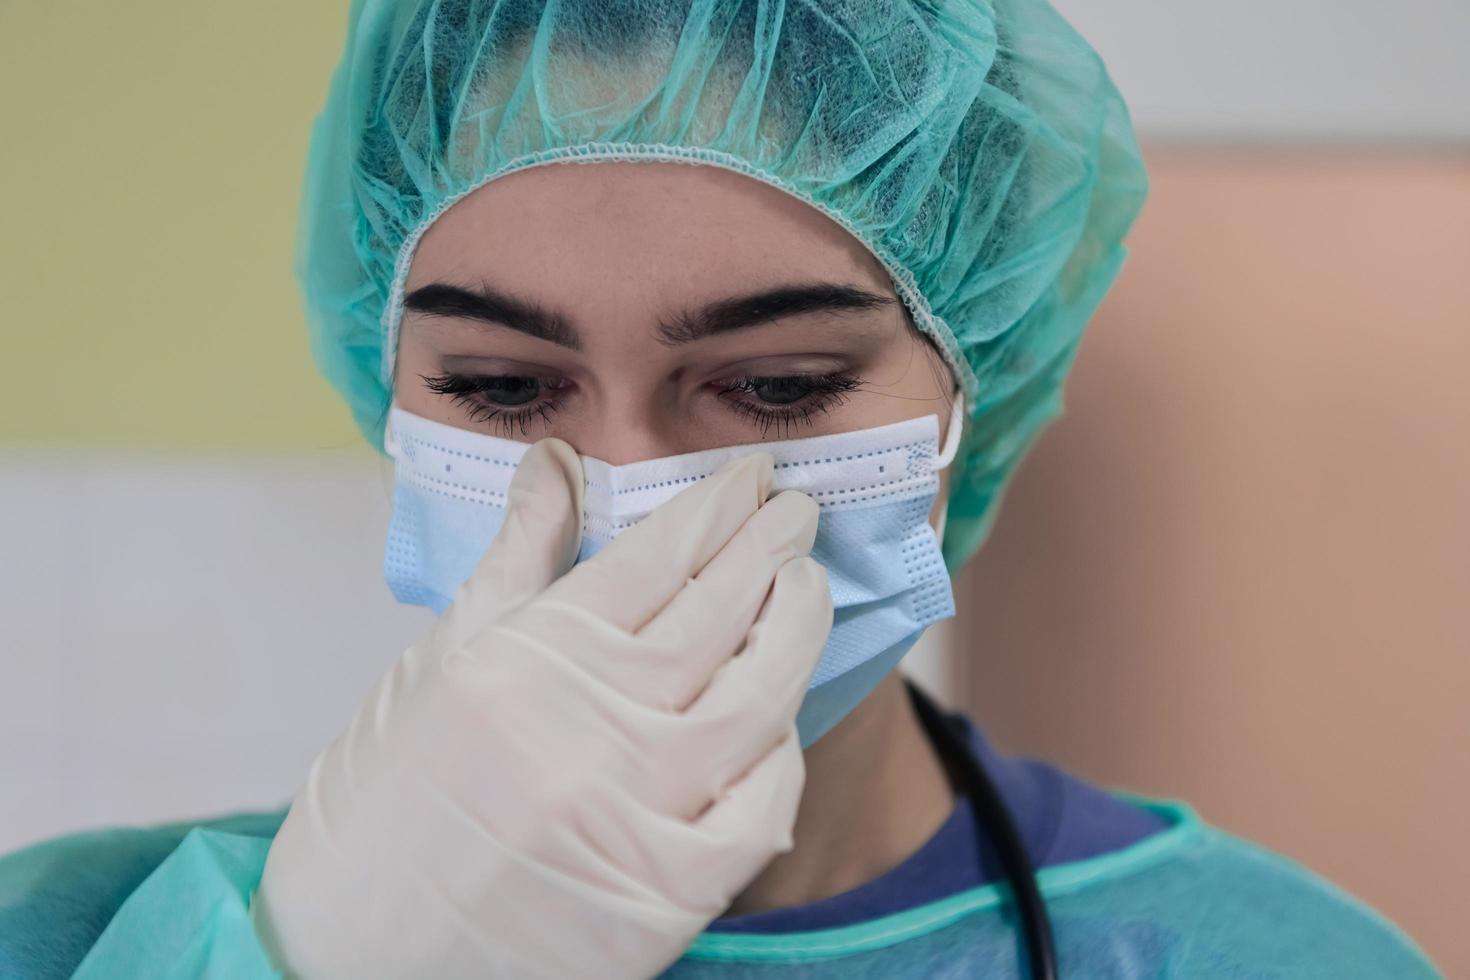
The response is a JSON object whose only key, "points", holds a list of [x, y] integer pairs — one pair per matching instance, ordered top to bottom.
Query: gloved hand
{"points": [[575, 771]]}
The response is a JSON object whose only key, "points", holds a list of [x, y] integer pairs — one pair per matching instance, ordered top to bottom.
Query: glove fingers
{"points": [[537, 543], [644, 567], [707, 621], [760, 689], [752, 699], [752, 822], [730, 842]]}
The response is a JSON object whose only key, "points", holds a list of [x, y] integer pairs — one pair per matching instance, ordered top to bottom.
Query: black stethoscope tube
{"points": [[994, 828]]}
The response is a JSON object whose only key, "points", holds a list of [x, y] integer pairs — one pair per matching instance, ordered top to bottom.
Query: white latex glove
{"points": [[574, 772]]}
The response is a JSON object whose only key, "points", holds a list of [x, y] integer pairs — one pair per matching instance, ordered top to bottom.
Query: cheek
{"points": [[911, 367]]}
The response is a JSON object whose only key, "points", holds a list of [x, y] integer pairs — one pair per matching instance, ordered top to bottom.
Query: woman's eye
{"points": [[788, 389], [497, 390], [510, 391], [781, 391], [511, 401], [787, 401]]}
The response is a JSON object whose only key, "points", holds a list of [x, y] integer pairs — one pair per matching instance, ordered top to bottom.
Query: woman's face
{"points": [[639, 310]]}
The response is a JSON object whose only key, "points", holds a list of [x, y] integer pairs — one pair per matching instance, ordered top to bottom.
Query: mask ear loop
{"points": [[390, 441], [951, 445], [948, 451]]}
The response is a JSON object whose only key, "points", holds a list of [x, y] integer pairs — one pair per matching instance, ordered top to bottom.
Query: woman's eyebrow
{"points": [[489, 305], [766, 306]]}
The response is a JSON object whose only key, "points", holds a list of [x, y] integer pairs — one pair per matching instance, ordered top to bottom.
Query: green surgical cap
{"points": [[978, 149]]}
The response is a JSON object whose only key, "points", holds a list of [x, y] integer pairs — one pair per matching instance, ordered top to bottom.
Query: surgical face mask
{"points": [[874, 488]]}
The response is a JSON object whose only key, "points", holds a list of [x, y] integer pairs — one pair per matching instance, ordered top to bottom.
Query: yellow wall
{"points": [[151, 158]]}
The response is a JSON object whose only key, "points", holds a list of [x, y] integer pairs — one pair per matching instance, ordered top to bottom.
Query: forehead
{"points": [[638, 229]]}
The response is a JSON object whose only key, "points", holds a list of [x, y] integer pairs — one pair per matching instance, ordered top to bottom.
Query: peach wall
{"points": [[1239, 570]]}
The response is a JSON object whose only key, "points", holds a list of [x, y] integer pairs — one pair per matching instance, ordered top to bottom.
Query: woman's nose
{"points": [[621, 437]]}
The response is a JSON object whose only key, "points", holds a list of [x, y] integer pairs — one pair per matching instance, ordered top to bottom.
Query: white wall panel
{"points": [[1298, 70], [182, 636]]}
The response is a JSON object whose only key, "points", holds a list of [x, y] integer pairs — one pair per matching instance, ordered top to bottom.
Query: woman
{"points": [[677, 436]]}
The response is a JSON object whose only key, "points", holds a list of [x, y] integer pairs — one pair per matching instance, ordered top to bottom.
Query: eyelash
{"points": [[467, 390], [822, 393]]}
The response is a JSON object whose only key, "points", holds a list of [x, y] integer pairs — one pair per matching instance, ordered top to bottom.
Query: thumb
{"points": [[537, 543]]}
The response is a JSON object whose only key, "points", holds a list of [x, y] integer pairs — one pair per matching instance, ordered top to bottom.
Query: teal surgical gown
{"points": [[1190, 901]]}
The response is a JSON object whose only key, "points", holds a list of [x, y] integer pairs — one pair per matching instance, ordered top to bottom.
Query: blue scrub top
{"points": [[1059, 817], [1133, 888]]}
